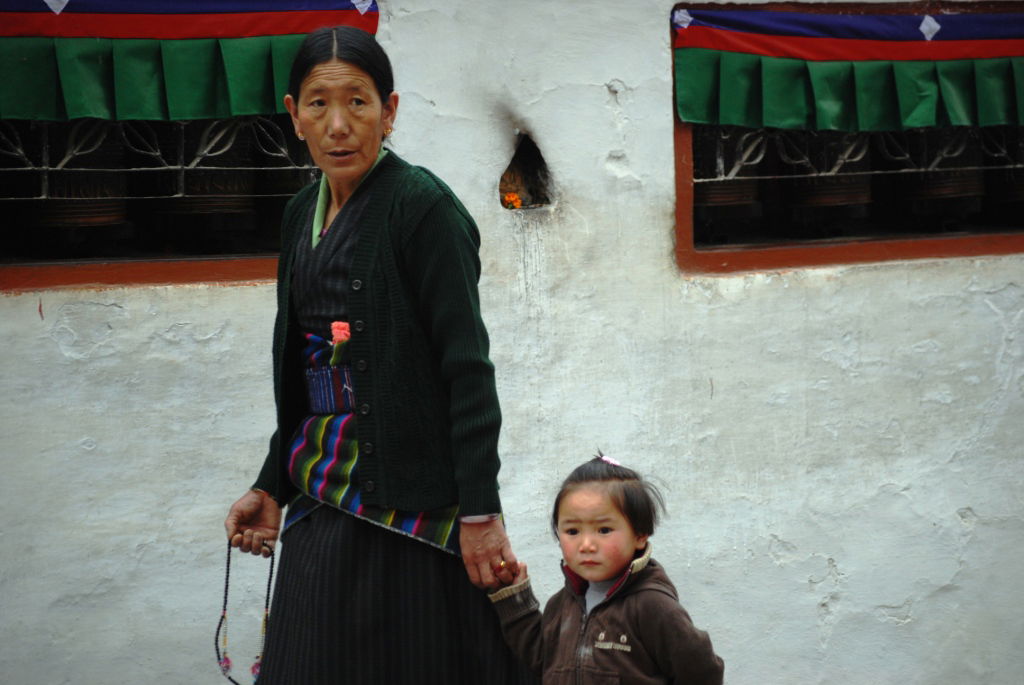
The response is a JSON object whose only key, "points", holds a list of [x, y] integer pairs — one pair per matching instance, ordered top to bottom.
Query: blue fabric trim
{"points": [[898, 27], [299, 508]]}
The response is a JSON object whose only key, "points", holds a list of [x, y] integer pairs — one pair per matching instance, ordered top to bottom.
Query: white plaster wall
{"points": [[840, 447]]}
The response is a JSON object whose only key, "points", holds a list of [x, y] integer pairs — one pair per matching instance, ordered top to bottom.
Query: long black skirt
{"points": [[356, 604]]}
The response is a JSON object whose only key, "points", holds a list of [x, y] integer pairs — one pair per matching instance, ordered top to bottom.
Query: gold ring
{"points": [[501, 566]]}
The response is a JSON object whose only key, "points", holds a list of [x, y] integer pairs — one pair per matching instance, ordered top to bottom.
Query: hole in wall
{"points": [[525, 182]]}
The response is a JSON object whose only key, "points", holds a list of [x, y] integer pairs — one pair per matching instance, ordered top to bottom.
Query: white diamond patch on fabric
{"points": [[362, 5], [56, 6], [682, 18], [929, 27]]}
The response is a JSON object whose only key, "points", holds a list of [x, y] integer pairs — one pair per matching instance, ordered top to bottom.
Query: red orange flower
{"points": [[340, 332]]}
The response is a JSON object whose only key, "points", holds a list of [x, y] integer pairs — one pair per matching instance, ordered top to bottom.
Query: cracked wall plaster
{"points": [[840, 447]]}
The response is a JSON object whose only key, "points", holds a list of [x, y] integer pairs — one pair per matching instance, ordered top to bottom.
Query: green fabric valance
{"points": [[848, 70], [57, 79], [754, 91]]}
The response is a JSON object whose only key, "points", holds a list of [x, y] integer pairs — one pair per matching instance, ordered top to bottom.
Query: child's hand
{"points": [[509, 577]]}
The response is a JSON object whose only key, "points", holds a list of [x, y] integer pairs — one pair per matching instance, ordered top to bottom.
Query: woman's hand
{"points": [[253, 521], [484, 547]]}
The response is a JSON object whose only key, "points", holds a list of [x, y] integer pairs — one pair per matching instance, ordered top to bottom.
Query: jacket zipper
{"points": [[583, 627], [579, 646]]}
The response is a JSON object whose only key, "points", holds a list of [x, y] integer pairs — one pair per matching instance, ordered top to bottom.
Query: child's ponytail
{"points": [[638, 500]]}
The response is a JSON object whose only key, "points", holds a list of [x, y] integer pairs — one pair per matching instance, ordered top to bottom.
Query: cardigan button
{"points": [[357, 284], [359, 325], [362, 365], [364, 409], [367, 448], [369, 486]]}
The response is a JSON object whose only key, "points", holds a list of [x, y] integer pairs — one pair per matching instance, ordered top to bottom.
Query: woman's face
{"points": [[340, 114]]}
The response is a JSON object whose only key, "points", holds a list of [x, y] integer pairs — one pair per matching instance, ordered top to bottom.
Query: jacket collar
{"points": [[579, 585]]}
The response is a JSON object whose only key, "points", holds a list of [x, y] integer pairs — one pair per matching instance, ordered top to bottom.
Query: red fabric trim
{"points": [[179, 26], [832, 49], [578, 584]]}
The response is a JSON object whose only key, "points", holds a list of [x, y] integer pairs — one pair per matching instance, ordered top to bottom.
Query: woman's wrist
{"points": [[264, 493], [479, 518]]}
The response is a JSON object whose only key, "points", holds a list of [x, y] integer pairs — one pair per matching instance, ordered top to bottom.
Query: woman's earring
{"points": [[388, 131], [301, 137]]}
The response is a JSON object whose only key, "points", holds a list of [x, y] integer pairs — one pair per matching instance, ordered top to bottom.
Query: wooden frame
{"points": [[761, 257], [735, 258]]}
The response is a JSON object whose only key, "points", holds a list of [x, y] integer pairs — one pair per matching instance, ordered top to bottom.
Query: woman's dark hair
{"points": [[347, 44], [639, 501]]}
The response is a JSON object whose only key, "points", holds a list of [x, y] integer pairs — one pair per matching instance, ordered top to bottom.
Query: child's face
{"points": [[596, 539]]}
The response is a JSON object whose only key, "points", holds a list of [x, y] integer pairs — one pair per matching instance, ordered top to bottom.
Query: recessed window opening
{"points": [[824, 133], [524, 184], [769, 187], [97, 189]]}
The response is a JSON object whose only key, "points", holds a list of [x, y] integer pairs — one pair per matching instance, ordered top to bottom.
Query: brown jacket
{"points": [[638, 635]]}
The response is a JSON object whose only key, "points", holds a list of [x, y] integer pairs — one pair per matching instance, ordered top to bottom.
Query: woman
{"points": [[386, 443]]}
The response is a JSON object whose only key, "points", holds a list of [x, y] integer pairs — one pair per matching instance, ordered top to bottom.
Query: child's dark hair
{"points": [[639, 501]]}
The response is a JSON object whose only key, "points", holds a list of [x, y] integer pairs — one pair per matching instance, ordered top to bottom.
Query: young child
{"points": [[618, 618]]}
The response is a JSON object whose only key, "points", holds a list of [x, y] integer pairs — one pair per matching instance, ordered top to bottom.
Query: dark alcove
{"points": [[525, 181]]}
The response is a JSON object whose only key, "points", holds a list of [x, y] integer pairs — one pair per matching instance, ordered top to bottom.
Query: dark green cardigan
{"points": [[427, 410]]}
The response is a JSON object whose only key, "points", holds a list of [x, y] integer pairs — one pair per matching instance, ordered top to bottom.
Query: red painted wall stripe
{"points": [[100, 275]]}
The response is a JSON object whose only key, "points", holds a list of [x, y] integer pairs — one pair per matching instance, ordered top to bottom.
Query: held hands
{"points": [[254, 520], [487, 554], [521, 575]]}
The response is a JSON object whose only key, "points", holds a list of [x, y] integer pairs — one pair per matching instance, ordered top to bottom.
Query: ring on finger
{"points": [[502, 566]]}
